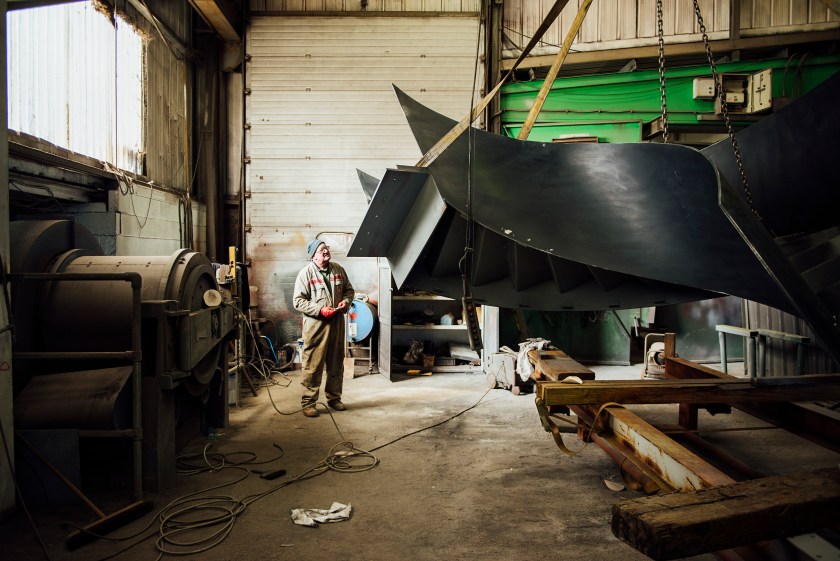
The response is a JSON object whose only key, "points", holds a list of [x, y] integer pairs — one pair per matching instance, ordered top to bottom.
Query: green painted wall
{"points": [[617, 100], [590, 337]]}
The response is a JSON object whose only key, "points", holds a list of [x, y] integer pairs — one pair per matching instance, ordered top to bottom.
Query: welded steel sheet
{"points": [[791, 162], [648, 210], [423, 241]]}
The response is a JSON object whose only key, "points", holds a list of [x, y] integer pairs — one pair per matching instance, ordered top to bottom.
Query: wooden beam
{"points": [[221, 16], [552, 72], [557, 365], [732, 390], [817, 424], [680, 468], [680, 525]]}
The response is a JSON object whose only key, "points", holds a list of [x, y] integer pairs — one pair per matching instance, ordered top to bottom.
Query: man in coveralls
{"points": [[323, 294]]}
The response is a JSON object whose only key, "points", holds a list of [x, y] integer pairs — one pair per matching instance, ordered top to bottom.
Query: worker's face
{"points": [[322, 256]]}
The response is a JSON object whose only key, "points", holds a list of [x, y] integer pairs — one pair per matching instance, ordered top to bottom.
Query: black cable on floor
{"points": [[215, 515]]}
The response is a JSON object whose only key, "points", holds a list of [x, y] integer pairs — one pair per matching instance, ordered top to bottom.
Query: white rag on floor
{"points": [[312, 516]]}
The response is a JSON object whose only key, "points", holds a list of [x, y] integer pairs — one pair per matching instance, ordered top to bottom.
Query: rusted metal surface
{"points": [[681, 469]]}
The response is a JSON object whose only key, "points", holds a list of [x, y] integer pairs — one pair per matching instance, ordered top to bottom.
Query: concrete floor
{"points": [[486, 484]]}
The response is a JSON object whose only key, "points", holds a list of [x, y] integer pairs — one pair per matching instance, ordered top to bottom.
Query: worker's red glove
{"points": [[342, 307], [326, 311]]}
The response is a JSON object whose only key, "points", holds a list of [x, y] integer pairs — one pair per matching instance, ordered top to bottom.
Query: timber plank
{"points": [[556, 365], [815, 387], [817, 424], [683, 524]]}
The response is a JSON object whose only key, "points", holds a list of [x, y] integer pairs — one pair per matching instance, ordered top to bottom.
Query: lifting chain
{"points": [[662, 71], [724, 109]]}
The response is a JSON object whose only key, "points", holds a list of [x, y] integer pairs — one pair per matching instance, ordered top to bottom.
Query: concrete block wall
{"points": [[143, 221]]}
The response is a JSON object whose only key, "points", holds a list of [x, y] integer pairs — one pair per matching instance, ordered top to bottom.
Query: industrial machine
{"points": [[117, 348]]}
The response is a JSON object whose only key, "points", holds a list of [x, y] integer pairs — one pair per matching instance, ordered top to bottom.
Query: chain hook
{"points": [[661, 35], [725, 110]]}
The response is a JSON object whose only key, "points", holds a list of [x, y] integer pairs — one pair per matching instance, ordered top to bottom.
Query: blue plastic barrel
{"points": [[361, 319]]}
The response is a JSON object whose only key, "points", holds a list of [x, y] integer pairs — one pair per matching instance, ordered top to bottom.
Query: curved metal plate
{"points": [[790, 159], [647, 210]]}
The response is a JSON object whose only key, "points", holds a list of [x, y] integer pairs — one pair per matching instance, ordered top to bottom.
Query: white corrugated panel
{"points": [[313, 6], [774, 14], [614, 24], [75, 82], [321, 106]]}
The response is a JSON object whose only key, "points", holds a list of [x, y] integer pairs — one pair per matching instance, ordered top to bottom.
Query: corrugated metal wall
{"points": [[456, 6], [761, 15], [612, 23], [622, 23], [168, 101], [322, 106], [151, 222], [781, 356]]}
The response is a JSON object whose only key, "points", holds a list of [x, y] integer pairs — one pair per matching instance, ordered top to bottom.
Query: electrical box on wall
{"points": [[703, 88], [735, 88], [761, 91], [744, 93]]}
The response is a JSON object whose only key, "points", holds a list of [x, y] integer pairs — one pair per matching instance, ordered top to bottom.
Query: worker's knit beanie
{"points": [[312, 246]]}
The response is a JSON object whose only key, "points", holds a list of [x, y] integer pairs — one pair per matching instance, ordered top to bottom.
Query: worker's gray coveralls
{"points": [[323, 338]]}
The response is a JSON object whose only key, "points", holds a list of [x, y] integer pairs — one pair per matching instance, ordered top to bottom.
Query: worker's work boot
{"points": [[337, 405], [310, 411]]}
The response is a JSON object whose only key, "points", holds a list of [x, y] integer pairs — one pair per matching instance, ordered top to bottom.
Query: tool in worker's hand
{"points": [[273, 474]]}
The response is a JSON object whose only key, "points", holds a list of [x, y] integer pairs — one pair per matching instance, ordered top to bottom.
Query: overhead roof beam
{"points": [[222, 16], [678, 49]]}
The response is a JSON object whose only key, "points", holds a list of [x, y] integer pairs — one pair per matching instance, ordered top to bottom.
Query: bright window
{"points": [[76, 80]]}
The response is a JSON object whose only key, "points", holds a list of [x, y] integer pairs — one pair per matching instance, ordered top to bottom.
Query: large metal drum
{"points": [[88, 316], [93, 316], [178, 372]]}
